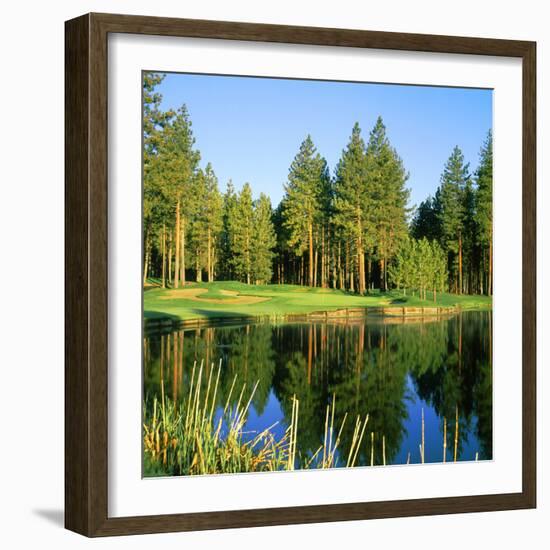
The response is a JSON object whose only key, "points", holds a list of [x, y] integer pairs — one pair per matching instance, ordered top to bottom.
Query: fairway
{"points": [[235, 299]]}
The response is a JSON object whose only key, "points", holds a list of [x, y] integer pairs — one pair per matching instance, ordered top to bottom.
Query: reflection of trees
{"points": [[245, 352], [352, 362], [364, 365], [462, 379]]}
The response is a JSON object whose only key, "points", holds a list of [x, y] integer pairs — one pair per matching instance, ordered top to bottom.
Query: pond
{"points": [[410, 377]]}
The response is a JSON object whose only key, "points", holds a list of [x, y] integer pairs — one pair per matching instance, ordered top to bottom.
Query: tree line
{"points": [[460, 218], [348, 230]]}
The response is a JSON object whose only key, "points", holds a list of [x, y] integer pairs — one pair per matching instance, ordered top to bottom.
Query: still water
{"points": [[397, 373]]}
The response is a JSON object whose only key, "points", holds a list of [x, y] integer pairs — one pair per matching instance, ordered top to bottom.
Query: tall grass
{"points": [[190, 438], [187, 439]]}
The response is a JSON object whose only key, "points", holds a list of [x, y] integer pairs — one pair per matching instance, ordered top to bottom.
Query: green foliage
{"points": [[387, 178], [453, 184], [484, 195], [302, 201], [352, 207], [460, 217], [206, 221], [426, 221], [344, 232], [243, 235], [264, 239], [419, 265], [446, 363]]}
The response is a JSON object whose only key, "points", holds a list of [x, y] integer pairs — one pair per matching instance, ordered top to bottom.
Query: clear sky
{"points": [[250, 129]]}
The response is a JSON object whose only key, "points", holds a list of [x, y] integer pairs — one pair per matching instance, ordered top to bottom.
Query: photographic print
{"points": [[317, 274]]}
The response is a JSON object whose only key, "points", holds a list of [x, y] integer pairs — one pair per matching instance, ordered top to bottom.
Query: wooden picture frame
{"points": [[86, 281]]}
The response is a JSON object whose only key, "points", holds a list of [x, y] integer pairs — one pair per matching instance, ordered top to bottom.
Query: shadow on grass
{"points": [[216, 315], [159, 316]]}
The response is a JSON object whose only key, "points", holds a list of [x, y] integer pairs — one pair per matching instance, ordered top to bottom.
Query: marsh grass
{"points": [[191, 438]]}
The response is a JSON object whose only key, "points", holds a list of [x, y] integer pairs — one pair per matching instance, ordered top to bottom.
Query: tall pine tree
{"points": [[387, 178], [453, 184], [303, 201], [352, 203], [484, 210], [243, 235], [264, 241]]}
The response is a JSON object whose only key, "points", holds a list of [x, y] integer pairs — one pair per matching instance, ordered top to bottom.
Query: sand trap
{"points": [[193, 294]]}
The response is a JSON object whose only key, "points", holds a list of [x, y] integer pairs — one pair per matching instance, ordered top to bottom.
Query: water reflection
{"points": [[393, 372]]}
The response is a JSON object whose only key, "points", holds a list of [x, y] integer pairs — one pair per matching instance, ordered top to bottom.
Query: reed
{"points": [[456, 433], [197, 436], [187, 438], [444, 440], [423, 444]]}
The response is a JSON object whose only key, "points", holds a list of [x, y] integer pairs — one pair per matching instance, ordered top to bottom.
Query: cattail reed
{"points": [[456, 433], [199, 436], [423, 440], [444, 440], [372, 448]]}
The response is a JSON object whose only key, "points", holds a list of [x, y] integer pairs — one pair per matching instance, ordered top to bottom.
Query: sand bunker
{"points": [[194, 294]]}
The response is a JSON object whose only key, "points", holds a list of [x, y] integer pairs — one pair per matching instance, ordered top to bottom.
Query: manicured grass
{"points": [[234, 299]]}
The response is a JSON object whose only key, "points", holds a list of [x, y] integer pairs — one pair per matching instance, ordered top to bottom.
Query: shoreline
{"points": [[384, 314]]}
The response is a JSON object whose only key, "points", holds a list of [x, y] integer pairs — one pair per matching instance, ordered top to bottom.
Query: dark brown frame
{"points": [[86, 266]]}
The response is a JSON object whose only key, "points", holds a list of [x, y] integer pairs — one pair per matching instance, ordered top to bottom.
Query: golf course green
{"points": [[234, 299]]}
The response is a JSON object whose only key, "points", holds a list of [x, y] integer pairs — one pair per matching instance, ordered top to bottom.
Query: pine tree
{"points": [[179, 162], [387, 178], [453, 183], [302, 200], [352, 201], [484, 208], [155, 212], [213, 215], [426, 221], [243, 235], [227, 237], [470, 238], [264, 241], [439, 269]]}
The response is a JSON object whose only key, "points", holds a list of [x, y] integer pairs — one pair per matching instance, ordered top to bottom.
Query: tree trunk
{"points": [[310, 235], [177, 237], [182, 252], [163, 255], [208, 256], [146, 258], [248, 259], [323, 259], [361, 260], [460, 264], [315, 267], [198, 268], [382, 270], [340, 274], [351, 275], [490, 278], [170, 279]]}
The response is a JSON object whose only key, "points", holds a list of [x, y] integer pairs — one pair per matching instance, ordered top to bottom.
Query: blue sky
{"points": [[250, 129]]}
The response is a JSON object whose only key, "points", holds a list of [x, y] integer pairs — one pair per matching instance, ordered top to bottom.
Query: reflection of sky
{"points": [[272, 413], [412, 429], [433, 433]]}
